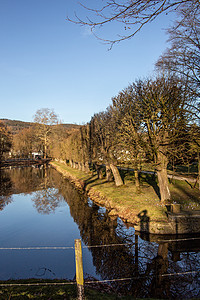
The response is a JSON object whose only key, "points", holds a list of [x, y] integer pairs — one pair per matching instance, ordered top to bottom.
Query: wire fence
{"points": [[195, 272], [99, 281]]}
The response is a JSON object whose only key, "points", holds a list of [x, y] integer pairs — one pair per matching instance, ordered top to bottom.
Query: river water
{"points": [[39, 209]]}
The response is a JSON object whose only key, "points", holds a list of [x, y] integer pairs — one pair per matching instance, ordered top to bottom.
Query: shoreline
{"points": [[168, 223], [142, 224]]}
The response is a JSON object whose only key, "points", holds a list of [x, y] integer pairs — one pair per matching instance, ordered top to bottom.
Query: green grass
{"points": [[183, 193], [126, 199], [51, 292]]}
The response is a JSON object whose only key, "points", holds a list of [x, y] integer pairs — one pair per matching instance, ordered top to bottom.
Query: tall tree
{"points": [[183, 56], [161, 107], [44, 120], [129, 129], [103, 131], [23, 142], [57, 148]]}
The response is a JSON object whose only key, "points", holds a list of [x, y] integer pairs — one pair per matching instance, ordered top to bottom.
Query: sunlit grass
{"points": [[126, 200], [51, 291]]}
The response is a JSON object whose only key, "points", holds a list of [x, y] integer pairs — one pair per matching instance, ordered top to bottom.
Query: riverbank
{"points": [[143, 210], [55, 289]]}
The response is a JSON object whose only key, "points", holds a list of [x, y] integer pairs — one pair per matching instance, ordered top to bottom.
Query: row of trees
{"points": [[150, 120], [153, 120]]}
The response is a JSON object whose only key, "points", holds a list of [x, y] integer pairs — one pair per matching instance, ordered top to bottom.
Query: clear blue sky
{"points": [[48, 62]]}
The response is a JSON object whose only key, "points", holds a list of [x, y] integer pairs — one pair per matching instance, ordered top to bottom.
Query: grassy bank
{"points": [[126, 202], [25, 289]]}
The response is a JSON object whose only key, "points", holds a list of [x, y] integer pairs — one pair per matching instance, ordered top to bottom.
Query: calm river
{"points": [[39, 208]]}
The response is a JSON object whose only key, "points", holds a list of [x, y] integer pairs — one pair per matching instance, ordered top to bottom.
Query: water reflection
{"points": [[5, 189], [46, 201], [147, 259], [148, 263]]}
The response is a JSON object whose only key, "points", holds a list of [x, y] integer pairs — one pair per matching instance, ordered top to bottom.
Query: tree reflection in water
{"points": [[5, 189], [46, 200], [147, 260], [149, 263]]}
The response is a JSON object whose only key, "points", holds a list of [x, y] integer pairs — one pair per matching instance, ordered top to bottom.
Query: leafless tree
{"points": [[183, 57], [160, 107], [44, 120], [103, 136]]}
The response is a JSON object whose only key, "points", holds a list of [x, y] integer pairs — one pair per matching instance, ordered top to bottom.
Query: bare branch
{"points": [[132, 14]]}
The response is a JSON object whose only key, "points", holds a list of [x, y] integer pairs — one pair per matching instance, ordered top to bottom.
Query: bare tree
{"points": [[132, 15], [183, 57], [160, 106], [44, 120], [129, 129], [103, 132]]}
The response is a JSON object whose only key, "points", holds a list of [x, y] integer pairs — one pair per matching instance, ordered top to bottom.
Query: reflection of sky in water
{"points": [[43, 218], [22, 226]]}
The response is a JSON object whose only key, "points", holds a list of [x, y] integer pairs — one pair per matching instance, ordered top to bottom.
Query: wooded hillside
{"points": [[15, 125]]}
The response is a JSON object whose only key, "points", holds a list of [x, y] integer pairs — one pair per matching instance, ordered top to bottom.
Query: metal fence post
{"points": [[79, 269]]}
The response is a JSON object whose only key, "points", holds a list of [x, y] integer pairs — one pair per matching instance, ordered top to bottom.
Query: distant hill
{"points": [[15, 126]]}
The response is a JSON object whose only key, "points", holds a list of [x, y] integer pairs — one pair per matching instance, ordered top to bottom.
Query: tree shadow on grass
{"points": [[90, 180], [151, 180], [100, 183], [188, 195]]}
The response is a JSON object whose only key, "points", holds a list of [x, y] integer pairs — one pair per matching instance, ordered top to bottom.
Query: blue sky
{"points": [[48, 62]]}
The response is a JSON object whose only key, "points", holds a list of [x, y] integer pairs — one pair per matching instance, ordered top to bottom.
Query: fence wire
{"points": [[62, 247], [93, 281], [98, 281]]}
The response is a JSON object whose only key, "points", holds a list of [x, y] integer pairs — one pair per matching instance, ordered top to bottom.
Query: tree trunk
{"points": [[45, 147], [83, 167], [87, 168], [100, 173], [108, 173], [117, 176], [162, 178], [137, 182], [163, 184]]}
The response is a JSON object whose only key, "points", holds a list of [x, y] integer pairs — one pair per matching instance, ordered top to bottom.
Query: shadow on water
{"points": [[144, 221], [146, 259], [139, 265]]}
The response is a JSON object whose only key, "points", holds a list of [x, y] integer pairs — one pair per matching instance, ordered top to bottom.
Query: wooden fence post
{"points": [[79, 269]]}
